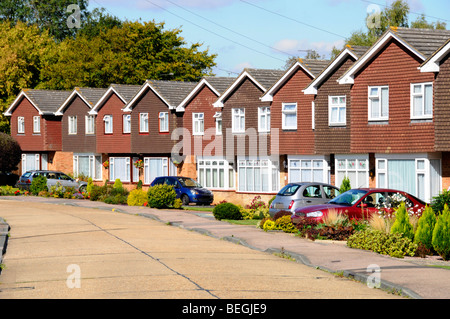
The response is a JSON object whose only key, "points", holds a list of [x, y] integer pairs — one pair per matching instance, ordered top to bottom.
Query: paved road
{"points": [[63, 251]]}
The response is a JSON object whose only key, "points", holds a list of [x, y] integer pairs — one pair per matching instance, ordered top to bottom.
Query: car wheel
{"points": [[82, 189], [185, 199]]}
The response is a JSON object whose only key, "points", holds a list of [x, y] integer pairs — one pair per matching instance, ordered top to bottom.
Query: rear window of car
{"points": [[26, 175], [288, 190]]}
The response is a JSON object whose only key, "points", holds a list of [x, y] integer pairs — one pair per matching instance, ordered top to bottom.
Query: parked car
{"points": [[53, 178], [187, 189], [297, 195], [358, 203]]}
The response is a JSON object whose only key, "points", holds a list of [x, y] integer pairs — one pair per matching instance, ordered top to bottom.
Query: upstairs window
{"points": [[422, 101], [378, 103], [337, 110], [289, 116], [108, 119], [264, 119], [238, 120], [143, 122], [163, 122], [127, 123], [198, 123], [36, 124], [90, 124], [21, 125], [72, 125]]}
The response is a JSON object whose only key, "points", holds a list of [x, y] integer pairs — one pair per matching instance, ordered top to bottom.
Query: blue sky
{"points": [[263, 33]]}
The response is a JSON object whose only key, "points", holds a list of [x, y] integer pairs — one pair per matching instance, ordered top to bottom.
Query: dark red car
{"points": [[357, 202]]}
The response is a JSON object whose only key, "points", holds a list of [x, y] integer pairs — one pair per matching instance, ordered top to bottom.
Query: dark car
{"points": [[53, 178], [187, 189], [297, 195], [359, 203]]}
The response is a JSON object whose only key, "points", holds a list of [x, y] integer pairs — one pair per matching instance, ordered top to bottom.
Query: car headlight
{"points": [[194, 192], [314, 214]]}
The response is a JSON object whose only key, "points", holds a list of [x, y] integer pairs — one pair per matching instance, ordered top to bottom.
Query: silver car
{"points": [[53, 178], [296, 195]]}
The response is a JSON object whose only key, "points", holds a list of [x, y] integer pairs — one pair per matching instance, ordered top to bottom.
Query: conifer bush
{"points": [[38, 184], [402, 224], [425, 227], [441, 234]]}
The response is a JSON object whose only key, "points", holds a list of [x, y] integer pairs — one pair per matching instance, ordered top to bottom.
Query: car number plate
{"points": [[279, 206]]}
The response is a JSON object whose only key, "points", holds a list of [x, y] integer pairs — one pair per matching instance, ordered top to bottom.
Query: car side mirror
{"points": [[362, 205]]}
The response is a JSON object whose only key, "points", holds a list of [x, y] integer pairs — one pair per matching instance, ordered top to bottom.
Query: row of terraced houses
{"points": [[379, 115]]}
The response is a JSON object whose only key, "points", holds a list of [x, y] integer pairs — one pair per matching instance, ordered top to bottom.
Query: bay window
{"points": [[120, 168], [258, 175]]}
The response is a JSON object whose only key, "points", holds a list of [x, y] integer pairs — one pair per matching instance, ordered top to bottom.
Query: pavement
{"points": [[414, 278]]}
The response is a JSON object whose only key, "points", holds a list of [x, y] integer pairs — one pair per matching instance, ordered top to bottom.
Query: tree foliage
{"points": [[10, 153]]}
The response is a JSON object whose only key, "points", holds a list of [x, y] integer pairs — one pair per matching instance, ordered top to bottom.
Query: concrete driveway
{"points": [[58, 251]]}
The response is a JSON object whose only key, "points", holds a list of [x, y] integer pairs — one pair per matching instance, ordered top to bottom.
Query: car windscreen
{"points": [[188, 182], [289, 190], [349, 198]]}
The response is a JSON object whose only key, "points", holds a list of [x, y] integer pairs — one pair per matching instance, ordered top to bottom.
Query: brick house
{"points": [[332, 112], [392, 115], [292, 116], [153, 122], [38, 130], [246, 130], [78, 131], [113, 133]]}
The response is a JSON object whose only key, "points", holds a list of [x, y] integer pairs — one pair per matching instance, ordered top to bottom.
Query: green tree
{"points": [[422, 23], [10, 153], [345, 185], [402, 224], [425, 227], [441, 234]]}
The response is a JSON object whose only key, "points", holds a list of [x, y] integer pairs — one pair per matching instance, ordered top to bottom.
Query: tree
{"points": [[50, 15], [422, 23], [21, 48], [10, 153], [441, 234]]}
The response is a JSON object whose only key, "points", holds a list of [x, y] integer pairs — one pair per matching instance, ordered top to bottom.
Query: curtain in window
{"points": [[83, 165], [120, 168], [401, 175]]}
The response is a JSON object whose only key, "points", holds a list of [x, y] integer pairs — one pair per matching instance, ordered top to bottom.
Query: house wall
{"points": [[396, 67], [246, 95], [441, 106], [53, 133], [329, 139], [301, 140], [28, 141], [81, 142], [117, 142], [152, 142]]}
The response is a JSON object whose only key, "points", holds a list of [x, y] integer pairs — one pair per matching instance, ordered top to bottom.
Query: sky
{"points": [[264, 33]]}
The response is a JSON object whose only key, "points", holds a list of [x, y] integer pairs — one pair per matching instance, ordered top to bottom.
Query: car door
{"points": [[52, 179], [67, 181], [176, 186], [329, 192], [312, 195], [370, 204]]}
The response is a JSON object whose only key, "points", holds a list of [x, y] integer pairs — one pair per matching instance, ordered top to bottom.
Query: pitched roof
{"points": [[420, 42], [355, 51], [433, 63], [312, 67], [262, 78], [217, 84], [124, 91], [172, 93], [90, 96], [46, 102]]}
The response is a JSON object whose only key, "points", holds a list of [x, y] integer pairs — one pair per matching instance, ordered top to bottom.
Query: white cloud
{"points": [[299, 47]]}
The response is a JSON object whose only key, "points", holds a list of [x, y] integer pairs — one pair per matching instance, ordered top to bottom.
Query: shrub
{"points": [[11, 153], [38, 184], [117, 184], [89, 185], [139, 185], [345, 185], [8, 190], [57, 191], [97, 193], [161, 196], [137, 197], [116, 199], [439, 202], [178, 203], [256, 203], [227, 211], [261, 212], [281, 213], [334, 219], [262, 222], [285, 224], [402, 224], [269, 225], [425, 227], [307, 228], [339, 232], [441, 234], [394, 245]]}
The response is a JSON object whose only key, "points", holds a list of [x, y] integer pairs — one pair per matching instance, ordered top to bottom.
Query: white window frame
{"points": [[421, 94], [378, 96], [339, 106], [289, 112], [237, 115], [313, 115], [126, 118], [264, 119], [163, 122], [143, 123], [198, 123], [36, 124], [90, 124], [108, 124], [21, 125], [73, 126], [219, 128], [37, 162], [95, 162], [297, 163], [164, 168], [246, 168], [358, 168], [208, 173], [112, 177]]}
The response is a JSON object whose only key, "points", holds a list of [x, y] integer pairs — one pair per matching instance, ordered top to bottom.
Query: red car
{"points": [[357, 202]]}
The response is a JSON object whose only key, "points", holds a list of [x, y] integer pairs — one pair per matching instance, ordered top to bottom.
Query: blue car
{"points": [[188, 190]]}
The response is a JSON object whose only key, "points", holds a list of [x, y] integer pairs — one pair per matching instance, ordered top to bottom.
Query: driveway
{"points": [[62, 251]]}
